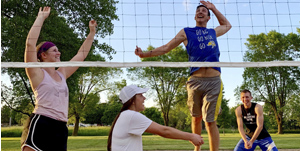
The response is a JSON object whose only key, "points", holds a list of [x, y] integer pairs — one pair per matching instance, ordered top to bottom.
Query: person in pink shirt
{"points": [[46, 129]]}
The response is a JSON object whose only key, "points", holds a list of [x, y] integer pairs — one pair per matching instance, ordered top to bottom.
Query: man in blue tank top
{"points": [[204, 86], [251, 114]]}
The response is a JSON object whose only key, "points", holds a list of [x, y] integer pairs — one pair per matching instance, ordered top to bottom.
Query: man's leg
{"points": [[197, 128], [213, 135], [267, 144]]}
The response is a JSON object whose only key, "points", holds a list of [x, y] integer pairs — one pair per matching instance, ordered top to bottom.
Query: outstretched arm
{"points": [[225, 25], [179, 38], [83, 51], [239, 120], [259, 122], [169, 132]]}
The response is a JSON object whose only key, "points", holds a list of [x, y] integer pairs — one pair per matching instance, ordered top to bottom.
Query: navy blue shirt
{"points": [[202, 46]]}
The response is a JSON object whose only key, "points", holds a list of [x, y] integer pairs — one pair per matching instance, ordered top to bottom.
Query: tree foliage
{"points": [[66, 26], [165, 81], [91, 84], [273, 85], [114, 105], [154, 114], [95, 115], [292, 115], [224, 118]]}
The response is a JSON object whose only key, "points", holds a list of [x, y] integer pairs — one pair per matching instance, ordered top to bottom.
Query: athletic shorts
{"points": [[204, 97], [44, 133], [265, 144]]}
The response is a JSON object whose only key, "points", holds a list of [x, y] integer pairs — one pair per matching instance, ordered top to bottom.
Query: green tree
{"points": [[17, 18], [165, 81], [90, 85], [273, 85], [14, 100], [114, 105], [111, 112], [5, 114], [154, 114], [292, 115], [94, 116], [180, 116], [269, 117], [224, 118], [232, 118]]}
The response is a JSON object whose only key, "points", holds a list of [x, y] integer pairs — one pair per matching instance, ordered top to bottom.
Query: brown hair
{"points": [[208, 13], [38, 48], [246, 91], [124, 107]]}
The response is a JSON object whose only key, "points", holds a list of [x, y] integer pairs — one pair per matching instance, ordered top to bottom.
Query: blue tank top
{"points": [[202, 46]]}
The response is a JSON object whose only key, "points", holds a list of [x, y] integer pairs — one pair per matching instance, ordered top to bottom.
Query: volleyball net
{"points": [[154, 23]]}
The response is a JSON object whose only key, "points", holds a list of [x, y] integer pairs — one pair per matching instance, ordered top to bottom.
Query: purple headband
{"points": [[44, 48]]}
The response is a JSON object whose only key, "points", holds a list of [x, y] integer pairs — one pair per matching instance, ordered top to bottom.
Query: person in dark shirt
{"points": [[251, 114]]}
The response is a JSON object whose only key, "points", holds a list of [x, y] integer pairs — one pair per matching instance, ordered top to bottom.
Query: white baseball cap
{"points": [[129, 91]]}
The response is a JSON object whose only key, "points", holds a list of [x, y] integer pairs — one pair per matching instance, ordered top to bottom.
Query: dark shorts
{"points": [[205, 97], [44, 133]]}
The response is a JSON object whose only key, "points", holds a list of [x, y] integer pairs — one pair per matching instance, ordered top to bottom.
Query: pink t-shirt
{"points": [[52, 98]]}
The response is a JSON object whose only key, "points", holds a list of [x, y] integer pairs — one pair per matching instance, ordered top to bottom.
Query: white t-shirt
{"points": [[128, 130]]}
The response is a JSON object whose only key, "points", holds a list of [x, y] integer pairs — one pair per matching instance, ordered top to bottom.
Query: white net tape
{"points": [[147, 64]]}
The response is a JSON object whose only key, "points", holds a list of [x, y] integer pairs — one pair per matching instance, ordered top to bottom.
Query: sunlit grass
{"points": [[153, 142]]}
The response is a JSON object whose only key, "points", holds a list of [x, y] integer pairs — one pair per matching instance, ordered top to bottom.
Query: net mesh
{"points": [[155, 22]]}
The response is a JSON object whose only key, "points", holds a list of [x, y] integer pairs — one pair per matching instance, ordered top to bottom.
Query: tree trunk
{"points": [[278, 117], [166, 119], [280, 123], [76, 126], [280, 130]]}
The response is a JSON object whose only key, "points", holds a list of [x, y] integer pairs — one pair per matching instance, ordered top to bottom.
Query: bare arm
{"points": [[225, 25], [33, 35], [179, 38], [83, 51], [35, 74], [238, 113], [259, 122], [169, 132]]}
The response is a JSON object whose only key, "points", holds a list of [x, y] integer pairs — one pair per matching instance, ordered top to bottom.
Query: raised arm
{"points": [[225, 25], [33, 35], [179, 38], [83, 51], [35, 74], [239, 120], [259, 122], [169, 132]]}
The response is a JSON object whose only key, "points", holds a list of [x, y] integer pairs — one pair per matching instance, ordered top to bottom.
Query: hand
{"points": [[208, 4], [44, 13], [92, 25], [139, 52], [196, 140], [249, 145]]}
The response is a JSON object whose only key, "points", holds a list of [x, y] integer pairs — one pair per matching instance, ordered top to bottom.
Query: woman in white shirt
{"points": [[129, 125]]}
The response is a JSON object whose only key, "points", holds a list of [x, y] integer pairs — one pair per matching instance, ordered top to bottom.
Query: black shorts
{"points": [[45, 134]]}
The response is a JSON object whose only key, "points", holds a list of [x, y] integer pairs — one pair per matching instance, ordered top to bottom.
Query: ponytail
{"points": [[124, 107]]}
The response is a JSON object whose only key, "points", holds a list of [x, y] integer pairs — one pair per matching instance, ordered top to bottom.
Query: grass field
{"points": [[152, 142]]}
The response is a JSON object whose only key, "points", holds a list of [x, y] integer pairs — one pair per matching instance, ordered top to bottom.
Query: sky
{"points": [[155, 22]]}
